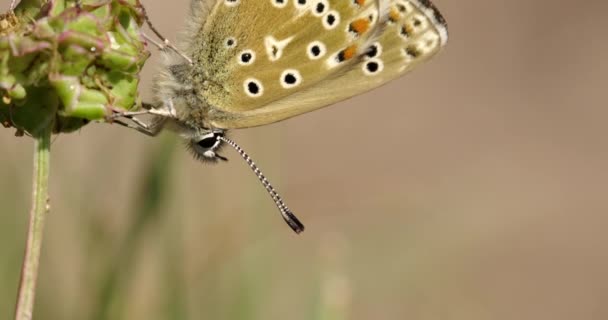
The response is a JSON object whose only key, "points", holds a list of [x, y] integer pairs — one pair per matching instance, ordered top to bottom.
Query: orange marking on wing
{"points": [[360, 2], [394, 15], [359, 26], [408, 29], [350, 52]]}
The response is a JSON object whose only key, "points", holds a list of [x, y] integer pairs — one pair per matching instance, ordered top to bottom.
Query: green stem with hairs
{"points": [[40, 208]]}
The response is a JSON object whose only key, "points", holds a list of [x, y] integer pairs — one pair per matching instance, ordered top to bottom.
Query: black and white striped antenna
{"points": [[287, 215]]}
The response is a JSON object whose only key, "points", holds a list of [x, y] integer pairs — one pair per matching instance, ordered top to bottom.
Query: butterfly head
{"points": [[205, 146]]}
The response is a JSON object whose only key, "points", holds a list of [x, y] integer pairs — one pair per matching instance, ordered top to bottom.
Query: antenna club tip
{"points": [[293, 222], [297, 228]]}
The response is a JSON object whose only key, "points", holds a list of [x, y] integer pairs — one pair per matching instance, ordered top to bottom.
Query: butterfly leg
{"points": [[165, 113], [151, 129]]}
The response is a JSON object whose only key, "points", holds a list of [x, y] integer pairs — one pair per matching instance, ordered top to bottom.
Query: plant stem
{"points": [[40, 208]]}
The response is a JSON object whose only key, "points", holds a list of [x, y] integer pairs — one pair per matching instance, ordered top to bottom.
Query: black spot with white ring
{"points": [[279, 3], [300, 4], [320, 8], [331, 20], [230, 42], [316, 50], [374, 50], [246, 57], [372, 67], [290, 78], [253, 87]]}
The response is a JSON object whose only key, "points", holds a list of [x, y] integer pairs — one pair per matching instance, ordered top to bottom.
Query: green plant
{"points": [[64, 63]]}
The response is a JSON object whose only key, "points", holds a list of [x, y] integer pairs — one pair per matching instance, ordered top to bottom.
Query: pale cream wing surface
{"points": [[259, 51], [267, 60]]}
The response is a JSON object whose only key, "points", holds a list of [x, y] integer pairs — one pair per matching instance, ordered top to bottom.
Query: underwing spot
{"points": [[232, 3], [279, 3], [359, 3], [300, 4], [404, 6], [320, 8], [394, 15], [372, 18], [331, 20], [418, 22], [359, 26], [405, 31], [230, 42], [428, 42], [274, 47], [316, 50], [375, 50], [412, 52], [347, 53], [341, 56], [246, 57], [373, 67], [290, 78], [253, 87]]}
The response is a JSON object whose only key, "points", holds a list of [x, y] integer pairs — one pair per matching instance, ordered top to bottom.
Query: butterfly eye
{"points": [[230, 42], [316, 50], [246, 57], [290, 78], [253, 87], [208, 142], [204, 147]]}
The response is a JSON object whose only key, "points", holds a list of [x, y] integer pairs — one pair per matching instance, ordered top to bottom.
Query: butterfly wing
{"points": [[263, 61]]}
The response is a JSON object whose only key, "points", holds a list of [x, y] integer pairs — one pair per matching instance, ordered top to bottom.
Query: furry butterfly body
{"points": [[248, 63]]}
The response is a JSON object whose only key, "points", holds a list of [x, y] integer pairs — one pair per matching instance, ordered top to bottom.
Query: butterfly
{"points": [[246, 63]]}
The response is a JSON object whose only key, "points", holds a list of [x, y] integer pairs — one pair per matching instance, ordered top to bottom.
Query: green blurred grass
{"points": [[228, 286]]}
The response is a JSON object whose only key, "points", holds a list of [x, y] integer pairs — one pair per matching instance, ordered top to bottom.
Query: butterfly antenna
{"points": [[166, 42], [287, 215]]}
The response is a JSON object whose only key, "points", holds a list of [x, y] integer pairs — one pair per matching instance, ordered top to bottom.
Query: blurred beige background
{"points": [[473, 188]]}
